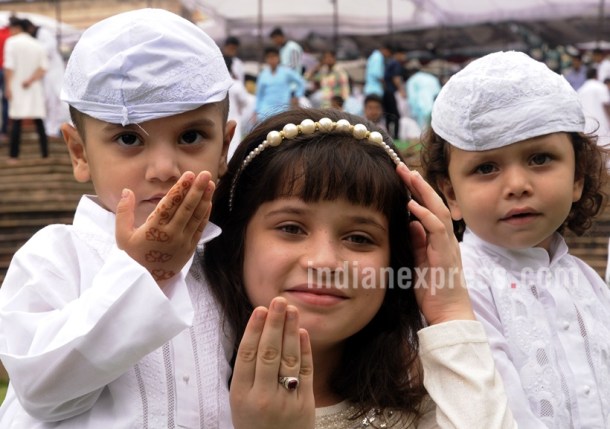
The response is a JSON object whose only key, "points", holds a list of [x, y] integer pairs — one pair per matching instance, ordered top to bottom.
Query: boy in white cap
{"points": [[507, 150], [101, 323]]}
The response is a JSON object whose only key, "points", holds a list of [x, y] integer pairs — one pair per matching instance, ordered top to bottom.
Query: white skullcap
{"points": [[142, 65], [503, 98]]}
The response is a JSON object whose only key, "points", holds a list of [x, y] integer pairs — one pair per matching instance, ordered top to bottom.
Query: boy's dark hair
{"points": [[277, 31], [232, 40], [271, 50], [372, 97], [338, 100], [590, 164], [379, 367]]}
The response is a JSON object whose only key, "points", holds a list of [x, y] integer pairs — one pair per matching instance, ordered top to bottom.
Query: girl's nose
{"points": [[322, 253]]}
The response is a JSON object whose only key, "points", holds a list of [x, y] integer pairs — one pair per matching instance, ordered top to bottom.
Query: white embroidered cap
{"points": [[141, 65], [503, 98]]}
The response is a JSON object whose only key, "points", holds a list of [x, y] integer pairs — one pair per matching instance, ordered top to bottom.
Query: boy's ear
{"points": [[228, 136], [78, 153], [579, 185], [447, 189]]}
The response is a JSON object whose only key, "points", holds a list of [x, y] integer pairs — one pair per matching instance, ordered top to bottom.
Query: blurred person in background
{"points": [[25, 64]]}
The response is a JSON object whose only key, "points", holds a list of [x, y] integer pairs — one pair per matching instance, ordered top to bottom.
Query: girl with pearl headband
{"points": [[315, 217]]}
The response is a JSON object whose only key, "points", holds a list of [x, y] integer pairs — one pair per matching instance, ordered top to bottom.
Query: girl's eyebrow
{"points": [[286, 210], [358, 219], [367, 220]]}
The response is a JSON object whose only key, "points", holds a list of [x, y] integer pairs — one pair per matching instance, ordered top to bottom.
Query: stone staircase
{"points": [[34, 193]]}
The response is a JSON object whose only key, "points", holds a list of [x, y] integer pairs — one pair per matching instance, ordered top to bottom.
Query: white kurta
{"points": [[24, 55], [57, 112], [548, 323], [90, 340], [459, 374]]}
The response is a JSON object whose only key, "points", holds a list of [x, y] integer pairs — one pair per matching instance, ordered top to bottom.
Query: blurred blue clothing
{"points": [[291, 55], [375, 70], [576, 78], [422, 89], [274, 90]]}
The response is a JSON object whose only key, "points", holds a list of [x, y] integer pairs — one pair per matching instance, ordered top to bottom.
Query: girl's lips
{"points": [[317, 297]]}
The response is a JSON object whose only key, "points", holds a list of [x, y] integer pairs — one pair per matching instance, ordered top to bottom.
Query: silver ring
{"points": [[289, 383]]}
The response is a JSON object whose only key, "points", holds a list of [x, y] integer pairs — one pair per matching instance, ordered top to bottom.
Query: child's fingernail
{"points": [[124, 193], [279, 305], [291, 313], [259, 314]]}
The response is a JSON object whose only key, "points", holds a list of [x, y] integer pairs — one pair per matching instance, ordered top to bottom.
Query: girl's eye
{"points": [[191, 137], [129, 140], [540, 159], [485, 169], [291, 229], [359, 239]]}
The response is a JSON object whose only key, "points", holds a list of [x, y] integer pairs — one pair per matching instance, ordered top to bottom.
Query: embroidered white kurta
{"points": [[24, 55], [548, 322], [90, 340], [459, 374]]}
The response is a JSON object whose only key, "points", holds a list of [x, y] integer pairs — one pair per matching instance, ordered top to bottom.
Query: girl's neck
{"points": [[326, 359]]}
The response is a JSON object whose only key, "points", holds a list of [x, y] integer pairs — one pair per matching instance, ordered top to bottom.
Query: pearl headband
{"points": [[307, 126]]}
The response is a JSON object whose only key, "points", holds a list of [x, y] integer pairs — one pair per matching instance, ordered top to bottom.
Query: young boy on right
{"points": [[507, 150], [101, 323]]}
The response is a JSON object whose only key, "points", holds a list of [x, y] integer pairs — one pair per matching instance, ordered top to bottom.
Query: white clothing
{"points": [[24, 55], [148, 64], [238, 69], [603, 70], [593, 95], [503, 98], [240, 101], [57, 111], [607, 276], [548, 323], [90, 340], [465, 390]]}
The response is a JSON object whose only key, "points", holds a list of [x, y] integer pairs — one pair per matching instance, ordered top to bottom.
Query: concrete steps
{"points": [[34, 193]]}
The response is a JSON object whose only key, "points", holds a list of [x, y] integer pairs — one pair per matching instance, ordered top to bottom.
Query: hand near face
{"points": [[168, 238], [440, 289], [273, 346]]}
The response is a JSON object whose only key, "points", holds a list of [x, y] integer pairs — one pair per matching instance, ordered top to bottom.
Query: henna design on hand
{"points": [[174, 198], [154, 234], [156, 256], [159, 274]]}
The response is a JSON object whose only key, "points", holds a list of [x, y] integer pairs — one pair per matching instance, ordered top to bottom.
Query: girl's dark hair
{"points": [[590, 160], [380, 367]]}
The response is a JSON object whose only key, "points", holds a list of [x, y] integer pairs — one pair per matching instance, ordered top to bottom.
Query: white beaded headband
{"points": [[307, 126]]}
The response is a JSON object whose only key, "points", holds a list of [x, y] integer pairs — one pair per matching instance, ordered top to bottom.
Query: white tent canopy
{"points": [[365, 17]]}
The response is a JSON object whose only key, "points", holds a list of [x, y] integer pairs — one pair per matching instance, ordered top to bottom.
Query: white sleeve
{"points": [[485, 311], [66, 330], [460, 377]]}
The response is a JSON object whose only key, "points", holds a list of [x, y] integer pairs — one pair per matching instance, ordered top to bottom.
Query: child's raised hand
{"points": [[169, 237], [440, 287], [273, 346]]}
